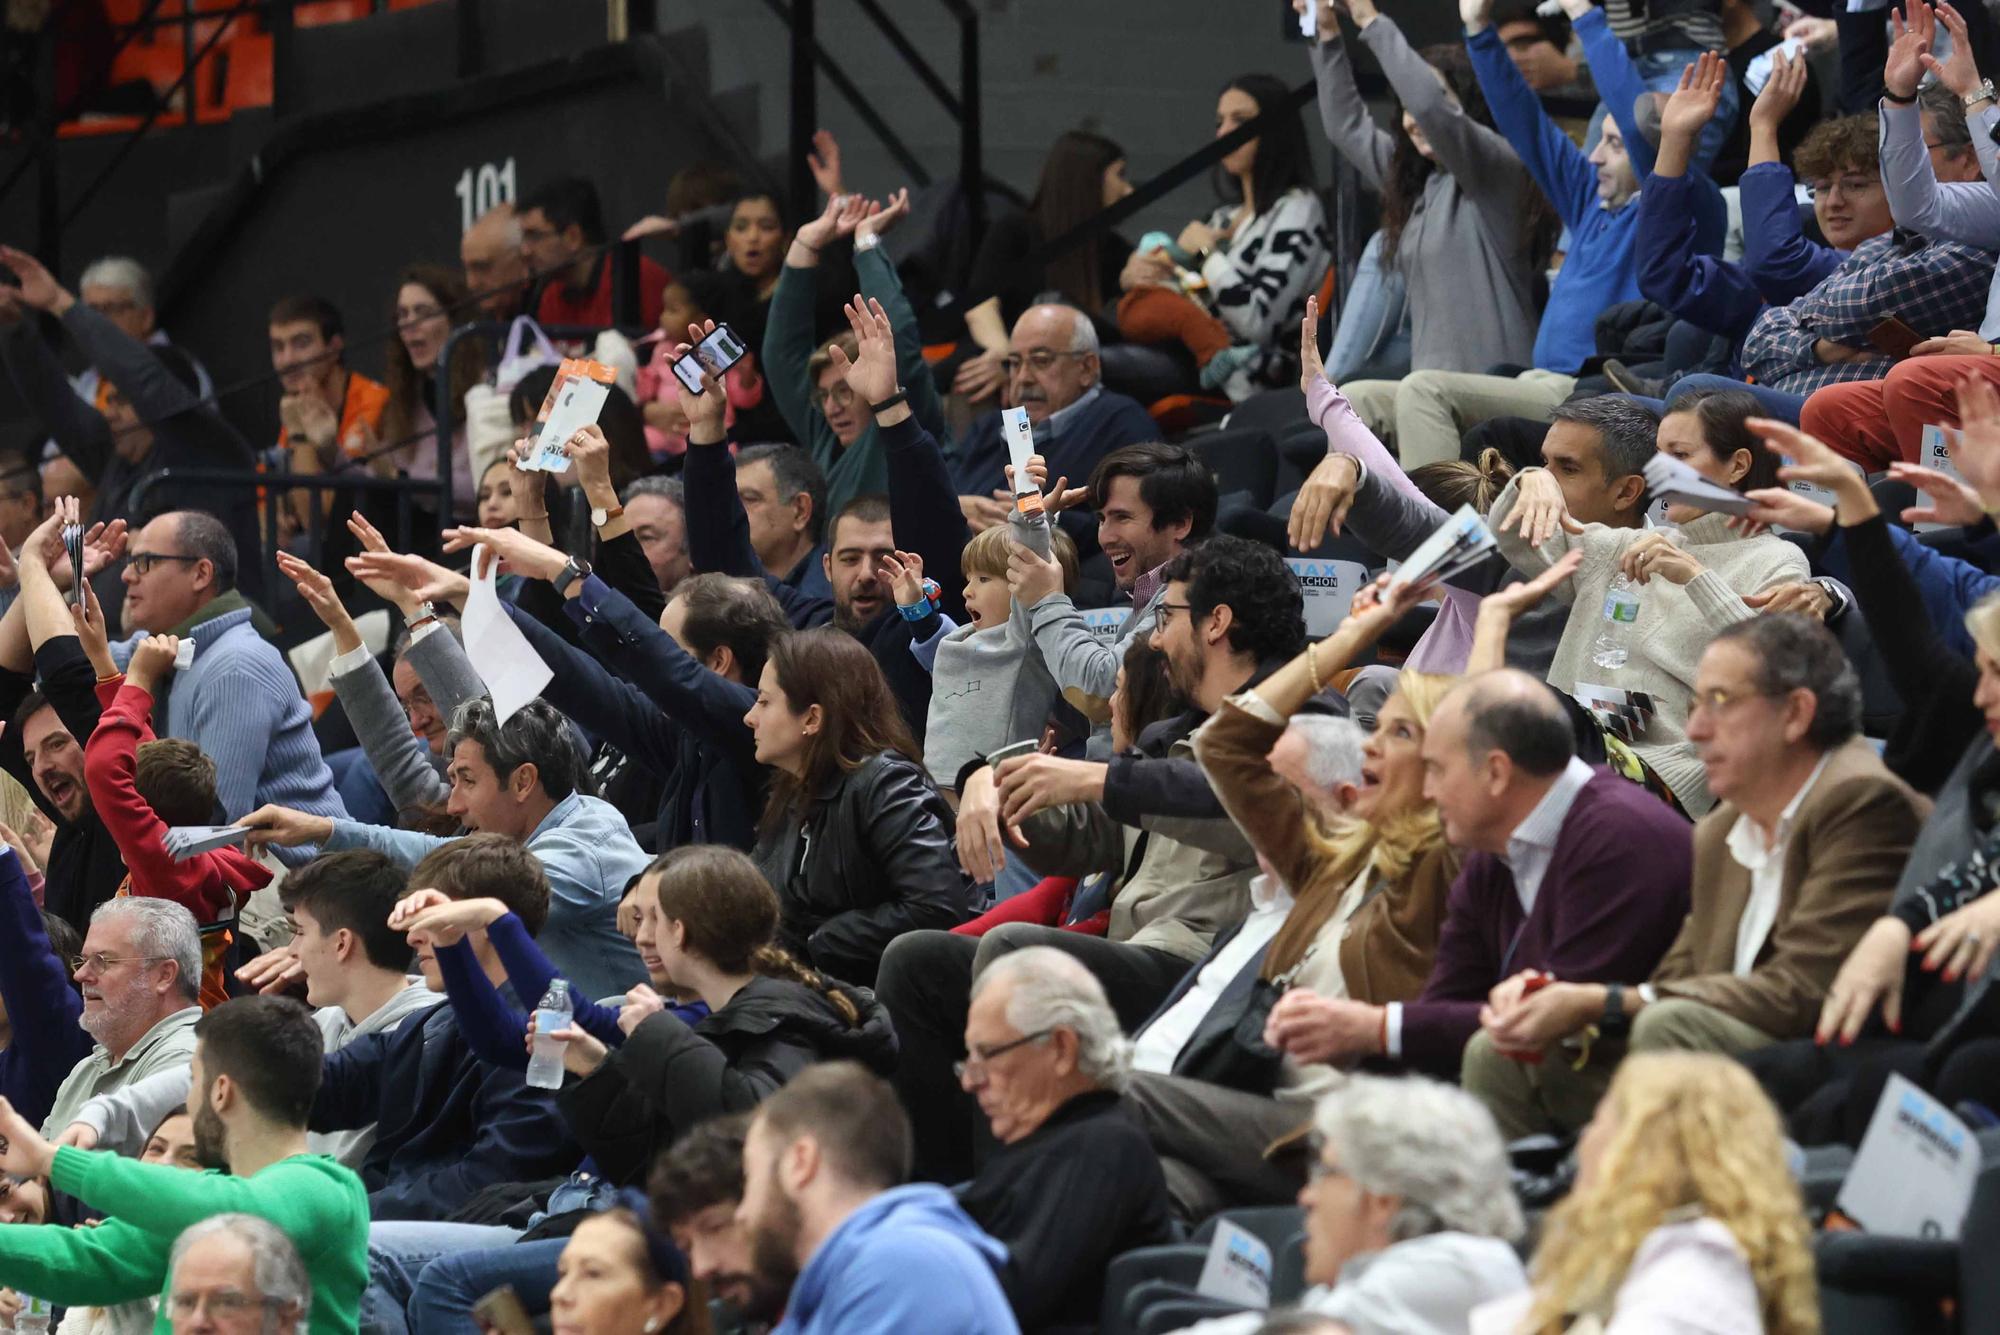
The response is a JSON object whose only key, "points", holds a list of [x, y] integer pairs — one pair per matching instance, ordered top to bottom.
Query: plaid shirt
{"points": [[1934, 287]]}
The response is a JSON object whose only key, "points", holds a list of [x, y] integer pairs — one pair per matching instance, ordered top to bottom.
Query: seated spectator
{"points": [[1083, 174], [1936, 191], [1462, 222], [564, 242], [754, 242], [1257, 256], [494, 259], [121, 290], [430, 299], [1051, 370], [811, 391], [324, 402], [1423, 415], [152, 417], [1595, 448], [783, 493], [495, 497], [1152, 503], [656, 508], [20, 513], [1692, 582], [1230, 615], [240, 702], [520, 781], [141, 788], [855, 837], [1789, 871], [1575, 872], [1348, 909], [710, 921], [355, 971], [140, 973], [39, 1006], [256, 1065], [446, 1124], [1073, 1182], [695, 1190], [1683, 1212], [1410, 1215], [832, 1224], [230, 1259], [621, 1274]]}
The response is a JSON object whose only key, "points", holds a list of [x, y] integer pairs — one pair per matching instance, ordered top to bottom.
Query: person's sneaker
{"points": [[1224, 365], [1627, 381]]}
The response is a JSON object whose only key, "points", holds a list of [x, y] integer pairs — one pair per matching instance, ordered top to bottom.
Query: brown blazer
{"points": [[1849, 841], [1386, 949]]}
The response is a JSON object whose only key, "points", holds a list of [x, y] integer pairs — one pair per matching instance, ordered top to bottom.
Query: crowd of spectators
{"points": [[930, 871]]}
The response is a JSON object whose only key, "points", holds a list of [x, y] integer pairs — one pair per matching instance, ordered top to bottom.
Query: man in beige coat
{"points": [[1796, 860]]}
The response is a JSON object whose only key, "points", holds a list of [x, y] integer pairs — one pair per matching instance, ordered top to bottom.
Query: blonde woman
{"points": [[1369, 886], [1684, 1215]]}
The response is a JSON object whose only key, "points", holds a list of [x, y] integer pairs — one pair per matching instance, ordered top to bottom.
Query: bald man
{"points": [[495, 269], [1569, 870]]}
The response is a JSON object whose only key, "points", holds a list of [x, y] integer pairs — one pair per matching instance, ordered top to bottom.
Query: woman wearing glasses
{"points": [[430, 299], [1689, 581]]}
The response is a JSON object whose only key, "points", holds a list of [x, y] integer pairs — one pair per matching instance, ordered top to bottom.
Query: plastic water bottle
{"points": [[1612, 647], [545, 1067], [33, 1318]]}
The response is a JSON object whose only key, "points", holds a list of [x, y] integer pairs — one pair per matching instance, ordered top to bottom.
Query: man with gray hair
{"points": [[496, 271], [120, 289], [1052, 371], [783, 495], [656, 508], [1320, 755], [140, 972], [1075, 1181], [1410, 1212], [231, 1265]]}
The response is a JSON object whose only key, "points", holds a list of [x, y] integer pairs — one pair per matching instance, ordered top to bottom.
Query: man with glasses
{"points": [[121, 290], [1052, 372], [239, 702], [1791, 867], [140, 972], [237, 1272]]}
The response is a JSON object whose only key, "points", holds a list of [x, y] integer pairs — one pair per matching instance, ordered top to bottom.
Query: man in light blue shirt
{"points": [[520, 779]]}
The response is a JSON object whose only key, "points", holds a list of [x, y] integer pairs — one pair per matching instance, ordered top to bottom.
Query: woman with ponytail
{"points": [[710, 918]]}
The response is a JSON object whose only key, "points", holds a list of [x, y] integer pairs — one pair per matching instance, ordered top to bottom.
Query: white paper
{"points": [[1759, 71], [576, 407], [1020, 434], [1934, 453], [1671, 480], [1462, 540], [1328, 588], [184, 654], [513, 672], [185, 841], [1914, 1174], [1238, 1268]]}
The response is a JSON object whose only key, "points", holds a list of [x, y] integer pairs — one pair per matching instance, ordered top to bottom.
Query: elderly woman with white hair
{"points": [[1074, 1181], [1410, 1212], [237, 1273]]}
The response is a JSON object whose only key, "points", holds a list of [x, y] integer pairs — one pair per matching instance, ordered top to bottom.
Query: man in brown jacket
{"points": [[1796, 860]]}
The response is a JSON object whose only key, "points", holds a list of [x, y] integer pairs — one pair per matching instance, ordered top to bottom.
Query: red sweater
{"points": [[209, 885]]}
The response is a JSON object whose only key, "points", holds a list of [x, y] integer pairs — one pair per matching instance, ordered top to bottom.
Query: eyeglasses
{"points": [[1848, 186], [115, 306], [1041, 359], [841, 396], [143, 562], [1165, 611], [1718, 699], [99, 961], [978, 1058], [222, 1303]]}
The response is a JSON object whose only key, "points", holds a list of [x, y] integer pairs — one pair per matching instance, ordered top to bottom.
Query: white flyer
{"points": [[578, 405], [1020, 434], [1935, 454], [1670, 479], [1461, 541], [1329, 588], [513, 672], [1914, 1173], [1238, 1268]]}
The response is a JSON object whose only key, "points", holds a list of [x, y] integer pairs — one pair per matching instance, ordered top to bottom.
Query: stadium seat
{"points": [[1244, 461]]}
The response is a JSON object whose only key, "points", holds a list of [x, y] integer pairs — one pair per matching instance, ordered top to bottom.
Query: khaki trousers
{"points": [[1423, 415]]}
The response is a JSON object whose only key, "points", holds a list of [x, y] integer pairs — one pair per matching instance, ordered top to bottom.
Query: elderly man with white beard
{"points": [[140, 972]]}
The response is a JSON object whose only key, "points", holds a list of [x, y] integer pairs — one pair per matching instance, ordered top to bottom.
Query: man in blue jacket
{"points": [[829, 1221]]}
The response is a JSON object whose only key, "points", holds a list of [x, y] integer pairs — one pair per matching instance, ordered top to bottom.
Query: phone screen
{"points": [[715, 354]]}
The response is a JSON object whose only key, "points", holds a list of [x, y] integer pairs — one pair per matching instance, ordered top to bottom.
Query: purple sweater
{"points": [[1615, 893]]}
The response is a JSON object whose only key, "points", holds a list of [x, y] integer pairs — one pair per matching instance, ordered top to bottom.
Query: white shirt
{"points": [[1532, 846], [1766, 864], [1160, 1043], [1687, 1278], [1425, 1286]]}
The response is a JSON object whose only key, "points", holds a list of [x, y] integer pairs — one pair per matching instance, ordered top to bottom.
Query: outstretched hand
{"points": [[1692, 105], [875, 224], [1311, 368], [872, 376], [1975, 443], [1515, 599]]}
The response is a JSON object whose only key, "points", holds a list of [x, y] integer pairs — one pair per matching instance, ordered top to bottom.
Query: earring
{"points": [[652, 1324]]}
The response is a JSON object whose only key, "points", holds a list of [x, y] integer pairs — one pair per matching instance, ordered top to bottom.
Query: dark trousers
{"points": [[926, 984]]}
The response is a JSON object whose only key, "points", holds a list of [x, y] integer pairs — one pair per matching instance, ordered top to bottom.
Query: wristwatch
{"points": [[1983, 93], [599, 516], [573, 570], [1616, 1023]]}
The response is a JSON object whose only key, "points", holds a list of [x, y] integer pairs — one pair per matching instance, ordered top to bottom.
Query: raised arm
{"points": [[1342, 114], [1551, 157]]}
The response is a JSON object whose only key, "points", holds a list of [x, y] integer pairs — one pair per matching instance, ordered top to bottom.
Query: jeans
{"points": [[1661, 73], [1374, 327], [1774, 402], [354, 779], [398, 1251], [446, 1289]]}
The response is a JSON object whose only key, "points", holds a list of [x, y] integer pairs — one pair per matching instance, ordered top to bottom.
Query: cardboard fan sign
{"points": [[1460, 543]]}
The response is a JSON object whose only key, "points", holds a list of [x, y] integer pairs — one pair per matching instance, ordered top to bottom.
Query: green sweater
{"points": [[789, 343], [320, 1205]]}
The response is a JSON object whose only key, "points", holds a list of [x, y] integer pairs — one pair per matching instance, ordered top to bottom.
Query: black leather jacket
{"points": [[872, 859]]}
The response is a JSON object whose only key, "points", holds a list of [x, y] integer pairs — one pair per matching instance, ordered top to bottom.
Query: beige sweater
{"points": [[1675, 622]]}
